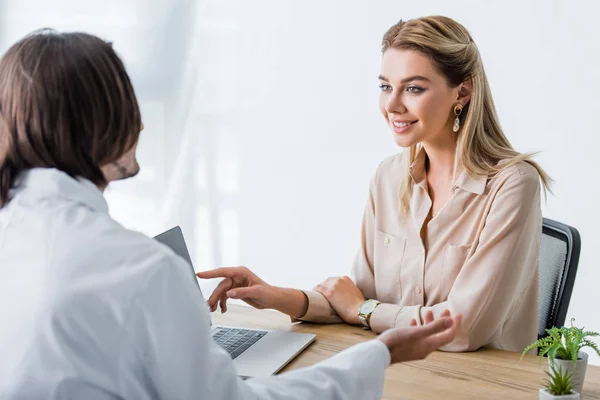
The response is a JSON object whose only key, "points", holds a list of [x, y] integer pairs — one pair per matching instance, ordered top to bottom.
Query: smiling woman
{"points": [[451, 225]]}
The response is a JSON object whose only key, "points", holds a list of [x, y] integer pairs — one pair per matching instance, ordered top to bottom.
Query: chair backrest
{"points": [[559, 256]]}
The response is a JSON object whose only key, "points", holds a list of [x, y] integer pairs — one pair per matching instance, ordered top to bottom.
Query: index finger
{"points": [[224, 272]]}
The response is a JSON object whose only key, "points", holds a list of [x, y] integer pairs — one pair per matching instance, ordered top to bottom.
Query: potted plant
{"points": [[563, 348], [559, 386]]}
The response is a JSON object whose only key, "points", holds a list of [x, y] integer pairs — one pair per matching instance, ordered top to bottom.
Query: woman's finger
{"points": [[221, 289], [223, 303], [428, 317]]}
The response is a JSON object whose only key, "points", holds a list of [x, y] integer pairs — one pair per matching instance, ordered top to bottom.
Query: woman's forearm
{"points": [[292, 302]]}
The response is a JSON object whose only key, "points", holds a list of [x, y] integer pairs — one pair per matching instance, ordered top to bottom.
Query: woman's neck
{"points": [[441, 159]]}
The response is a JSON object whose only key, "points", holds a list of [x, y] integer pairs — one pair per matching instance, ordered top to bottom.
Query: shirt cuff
{"points": [[319, 309], [386, 316], [381, 351]]}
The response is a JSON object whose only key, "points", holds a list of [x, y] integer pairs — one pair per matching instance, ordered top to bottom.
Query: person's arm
{"points": [[493, 279], [243, 284], [301, 305], [175, 357], [339, 377]]}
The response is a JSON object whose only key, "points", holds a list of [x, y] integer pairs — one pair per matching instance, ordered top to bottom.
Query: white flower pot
{"points": [[577, 370], [544, 395]]}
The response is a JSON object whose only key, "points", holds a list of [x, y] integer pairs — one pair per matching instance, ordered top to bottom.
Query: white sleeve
{"points": [[168, 330], [356, 373]]}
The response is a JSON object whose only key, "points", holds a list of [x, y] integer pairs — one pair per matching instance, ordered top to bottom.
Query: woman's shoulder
{"points": [[390, 167], [521, 173]]}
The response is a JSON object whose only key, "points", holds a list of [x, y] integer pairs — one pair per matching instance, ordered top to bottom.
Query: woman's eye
{"points": [[385, 87], [414, 89]]}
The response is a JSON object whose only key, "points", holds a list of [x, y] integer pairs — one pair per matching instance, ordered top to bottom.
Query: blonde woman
{"points": [[452, 224]]}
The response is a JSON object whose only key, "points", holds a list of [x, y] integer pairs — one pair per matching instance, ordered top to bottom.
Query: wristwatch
{"points": [[365, 310]]}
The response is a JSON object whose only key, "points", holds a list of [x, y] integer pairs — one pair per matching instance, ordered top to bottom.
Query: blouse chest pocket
{"points": [[455, 257], [387, 260]]}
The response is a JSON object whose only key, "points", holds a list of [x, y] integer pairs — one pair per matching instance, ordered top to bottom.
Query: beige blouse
{"points": [[482, 257]]}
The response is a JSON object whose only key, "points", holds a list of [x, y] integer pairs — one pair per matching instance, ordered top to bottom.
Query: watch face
{"points": [[367, 307]]}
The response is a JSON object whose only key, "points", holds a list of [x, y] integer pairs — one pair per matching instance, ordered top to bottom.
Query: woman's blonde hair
{"points": [[481, 145]]}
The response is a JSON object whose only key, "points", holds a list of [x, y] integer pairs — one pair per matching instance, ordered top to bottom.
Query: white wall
{"points": [[311, 135]]}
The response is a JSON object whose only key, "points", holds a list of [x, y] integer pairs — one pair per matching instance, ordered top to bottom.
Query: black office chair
{"points": [[559, 256]]}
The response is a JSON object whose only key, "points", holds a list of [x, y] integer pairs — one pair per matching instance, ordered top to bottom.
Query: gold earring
{"points": [[457, 111]]}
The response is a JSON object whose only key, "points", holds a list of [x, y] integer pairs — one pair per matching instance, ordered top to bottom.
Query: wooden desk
{"points": [[485, 374]]}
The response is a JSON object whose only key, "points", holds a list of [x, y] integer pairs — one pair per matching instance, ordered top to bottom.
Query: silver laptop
{"points": [[255, 353]]}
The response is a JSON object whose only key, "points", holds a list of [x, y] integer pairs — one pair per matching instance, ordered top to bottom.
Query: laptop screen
{"points": [[174, 239]]}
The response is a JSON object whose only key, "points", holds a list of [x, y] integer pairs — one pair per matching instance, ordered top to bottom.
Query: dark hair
{"points": [[66, 102]]}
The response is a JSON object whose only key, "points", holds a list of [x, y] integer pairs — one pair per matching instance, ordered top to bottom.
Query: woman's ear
{"points": [[465, 90]]}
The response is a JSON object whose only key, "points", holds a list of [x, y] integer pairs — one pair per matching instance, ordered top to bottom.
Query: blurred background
{"points": [[262, 128]]}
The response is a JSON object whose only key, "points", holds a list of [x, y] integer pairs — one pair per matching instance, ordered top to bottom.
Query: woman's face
{"points": [[416, 101]]}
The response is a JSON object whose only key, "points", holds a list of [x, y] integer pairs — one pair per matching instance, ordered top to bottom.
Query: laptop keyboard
{"points": [[235, 341]]}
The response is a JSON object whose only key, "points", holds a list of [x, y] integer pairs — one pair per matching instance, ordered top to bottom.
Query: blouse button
{"points": [[386, 240], [418, 290]]}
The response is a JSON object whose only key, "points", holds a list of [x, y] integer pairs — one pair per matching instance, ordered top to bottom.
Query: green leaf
{"points": [[590, 333], [589, 343], [542, 344], [575, 345], [552, 350], [560, 382]]}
